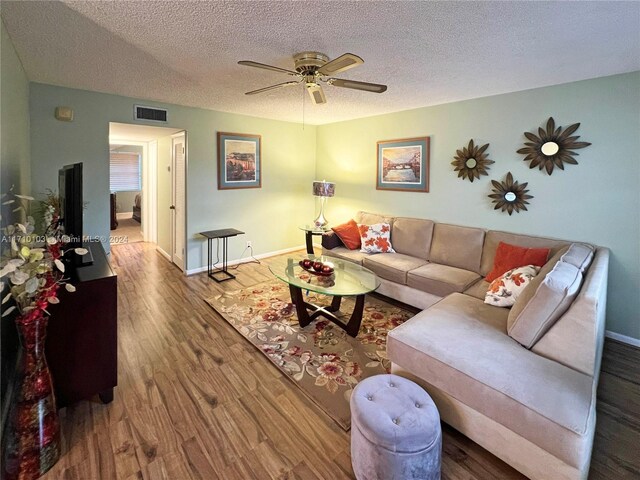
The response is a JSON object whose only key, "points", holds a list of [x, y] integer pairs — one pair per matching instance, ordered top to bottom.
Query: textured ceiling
{"points": [[426, 52]]}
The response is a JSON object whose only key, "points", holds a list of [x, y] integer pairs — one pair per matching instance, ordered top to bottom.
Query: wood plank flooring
{"points": [[196, 401]]}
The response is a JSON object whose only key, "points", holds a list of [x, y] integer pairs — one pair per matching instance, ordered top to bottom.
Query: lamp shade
{"points": [[324, 189]]}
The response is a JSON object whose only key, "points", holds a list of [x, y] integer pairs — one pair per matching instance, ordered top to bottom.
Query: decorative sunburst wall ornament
{"points": [[552, 147], [471, 161], [509, 195]]}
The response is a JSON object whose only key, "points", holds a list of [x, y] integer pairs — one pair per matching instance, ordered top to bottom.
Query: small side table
{"points": [[310, 231], [223, 234]]}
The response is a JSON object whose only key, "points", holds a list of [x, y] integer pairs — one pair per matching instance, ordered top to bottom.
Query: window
{"points": [[124, 172]]}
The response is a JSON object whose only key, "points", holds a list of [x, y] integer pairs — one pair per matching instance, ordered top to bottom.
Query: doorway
{"points": [[144, 184], [178, 203]]}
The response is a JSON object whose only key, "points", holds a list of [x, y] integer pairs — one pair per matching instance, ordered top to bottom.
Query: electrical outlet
{"points": [[249, 244]]}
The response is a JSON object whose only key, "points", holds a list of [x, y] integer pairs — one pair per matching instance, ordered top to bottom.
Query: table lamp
{"points": [[323, 190]]}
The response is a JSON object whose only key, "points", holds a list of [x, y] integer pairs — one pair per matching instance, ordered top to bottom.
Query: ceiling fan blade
{"points": [[249, 63], [340, 64], [272, 87], [367, 87], [316, 93]]}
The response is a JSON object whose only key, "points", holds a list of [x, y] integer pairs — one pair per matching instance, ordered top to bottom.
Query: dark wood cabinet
{"points": [[82, 341]]}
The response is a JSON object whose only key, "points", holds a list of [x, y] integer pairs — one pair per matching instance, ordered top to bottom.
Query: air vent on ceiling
{"points": [[140, 112]]}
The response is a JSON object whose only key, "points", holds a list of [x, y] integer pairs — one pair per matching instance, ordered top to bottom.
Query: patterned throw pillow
{"points": [[376, 238], [504, 290]]}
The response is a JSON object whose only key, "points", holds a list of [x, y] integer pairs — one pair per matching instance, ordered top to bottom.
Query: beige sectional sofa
{"points": [[522, 387]]}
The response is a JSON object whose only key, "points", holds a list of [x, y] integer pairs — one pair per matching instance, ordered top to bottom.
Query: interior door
{"points": [[178, 195]]}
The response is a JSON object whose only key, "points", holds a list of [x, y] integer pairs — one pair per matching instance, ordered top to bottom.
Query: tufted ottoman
{"points": [[395, 431]]}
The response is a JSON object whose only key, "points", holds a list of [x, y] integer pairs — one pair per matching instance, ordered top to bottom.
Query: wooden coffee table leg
{"points": [[301, 307], [353, 326]]}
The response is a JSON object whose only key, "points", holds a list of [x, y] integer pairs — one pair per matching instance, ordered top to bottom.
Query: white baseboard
{"points": [[124, 215], [163, 253], [248, 259], [622, 338]]}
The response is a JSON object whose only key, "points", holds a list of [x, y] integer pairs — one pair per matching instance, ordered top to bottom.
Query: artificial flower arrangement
{"points": [[32, 263], [32, 268]]}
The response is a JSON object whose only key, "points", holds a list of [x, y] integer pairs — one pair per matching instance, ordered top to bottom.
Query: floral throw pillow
{"points": [[376, 238], [505, 289]]}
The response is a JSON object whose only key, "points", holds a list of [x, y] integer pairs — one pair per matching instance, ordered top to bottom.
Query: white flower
{"points": [[51, 240], [81, 251], [59, 264], [18, 277], [32, 285], [69, 287], [53, 300]]}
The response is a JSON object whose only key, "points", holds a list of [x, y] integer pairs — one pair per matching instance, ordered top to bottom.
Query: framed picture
{"points": [[239, 161], [403, 165]]}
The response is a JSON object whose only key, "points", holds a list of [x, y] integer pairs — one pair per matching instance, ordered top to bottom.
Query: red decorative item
{"points": [[510, 256], [321, 271], [33, 441]]}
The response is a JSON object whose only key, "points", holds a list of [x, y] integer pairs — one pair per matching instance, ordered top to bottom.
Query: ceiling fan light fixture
{"points": [[314, 67], [316, 93]]}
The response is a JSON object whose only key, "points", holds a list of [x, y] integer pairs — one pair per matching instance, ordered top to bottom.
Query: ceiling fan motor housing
{"points": [[307, 63]]}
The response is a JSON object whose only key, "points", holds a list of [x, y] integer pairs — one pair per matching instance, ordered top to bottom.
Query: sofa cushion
{"points": [[366, 218], [348, 234], [412, 236], [494, 237], [457, 246], [344, 253], [579, 255], [510, 256], [392, 266], [441, 280], [478, 289], [551, 299], [459, 345]]}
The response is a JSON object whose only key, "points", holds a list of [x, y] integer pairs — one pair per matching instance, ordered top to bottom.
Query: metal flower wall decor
{"points": [[552, 147], [471, 161], [509, 195]]}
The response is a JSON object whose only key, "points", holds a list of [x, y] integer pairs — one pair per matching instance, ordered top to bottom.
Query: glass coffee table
{"points": [[348, 280]]}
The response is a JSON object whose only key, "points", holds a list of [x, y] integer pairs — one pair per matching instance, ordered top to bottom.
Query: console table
{"points": [[223, 234], [82, 338]]}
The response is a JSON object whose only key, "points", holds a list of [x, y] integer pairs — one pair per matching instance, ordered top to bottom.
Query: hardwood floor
{"points": [[196, 401]]}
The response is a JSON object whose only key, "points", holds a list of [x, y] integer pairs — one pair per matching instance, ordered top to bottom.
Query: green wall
{"points": [[14, 118], [596, 201], [269, 215]]}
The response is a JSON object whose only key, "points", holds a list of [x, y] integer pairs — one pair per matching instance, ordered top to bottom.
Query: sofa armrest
{"points": [[330, 240]]}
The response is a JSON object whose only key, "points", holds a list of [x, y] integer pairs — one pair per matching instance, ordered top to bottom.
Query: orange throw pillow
{"points": [[349, 234], [509, 257]]}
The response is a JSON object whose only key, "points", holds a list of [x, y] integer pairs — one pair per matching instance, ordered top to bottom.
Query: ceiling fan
{"points": [[311, 68]]}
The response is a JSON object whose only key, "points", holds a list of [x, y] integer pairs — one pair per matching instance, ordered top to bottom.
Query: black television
{"points": [[71, 208]]}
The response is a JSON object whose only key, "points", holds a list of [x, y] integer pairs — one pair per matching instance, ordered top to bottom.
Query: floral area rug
{"points": [[321, 358]]}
